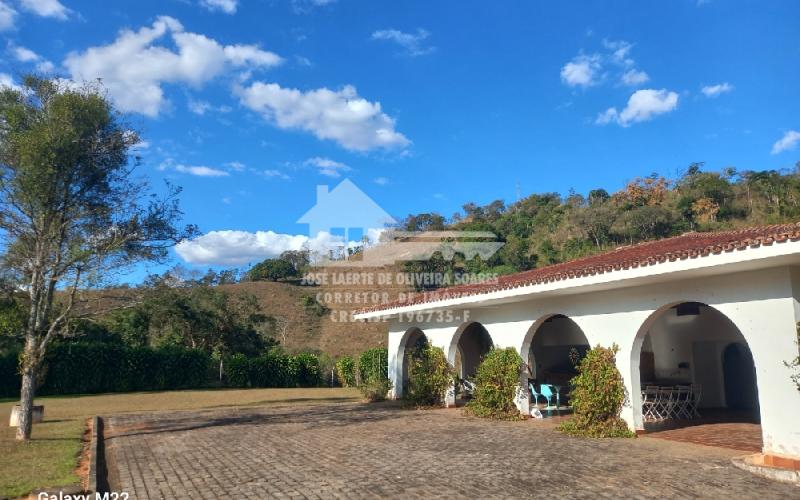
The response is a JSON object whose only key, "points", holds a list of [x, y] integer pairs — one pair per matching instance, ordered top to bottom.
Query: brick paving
{"points": [[736, 436], [349, 450]]}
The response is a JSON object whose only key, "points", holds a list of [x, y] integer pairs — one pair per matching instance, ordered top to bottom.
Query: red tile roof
{"points": [[686, 246]]}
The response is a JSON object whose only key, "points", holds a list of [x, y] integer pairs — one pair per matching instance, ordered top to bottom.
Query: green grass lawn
{"points": [[50, 459]]}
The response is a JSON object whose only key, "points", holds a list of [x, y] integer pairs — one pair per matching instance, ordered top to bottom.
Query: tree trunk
{"points": [[26, 404]]}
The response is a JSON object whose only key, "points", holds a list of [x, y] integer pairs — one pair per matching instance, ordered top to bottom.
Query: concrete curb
{"points": [[97, 423], [749, 463]]}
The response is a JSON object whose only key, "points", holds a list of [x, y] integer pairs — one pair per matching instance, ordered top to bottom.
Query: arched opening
{"points": [[414, 340], [472, 345], [557, 346], [695, 367], [739, 374]]}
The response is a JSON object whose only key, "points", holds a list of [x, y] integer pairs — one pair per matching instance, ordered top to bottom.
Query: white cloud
{"points": [[226, 6], [306, 6], [46, 8], [7, 16], [413, 43], [620, 50], [24, 54], [243, 55], [133, 68], [587, 70], [583, 71], [634, 77], [7, 80], [715, 90], [643, 105], [199, 107], [203, 107], [339, 115], [607, 116], [787, 142], [236, 166], [327, 166], [197, 170], [201, 171], [270, 173], [381, 181], [235, 248]]}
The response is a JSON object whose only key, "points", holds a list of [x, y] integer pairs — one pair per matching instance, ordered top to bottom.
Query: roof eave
{"points": [[742, 258]]}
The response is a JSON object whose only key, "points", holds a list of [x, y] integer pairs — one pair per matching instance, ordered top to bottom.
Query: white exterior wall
{"points": [[764, 305]]}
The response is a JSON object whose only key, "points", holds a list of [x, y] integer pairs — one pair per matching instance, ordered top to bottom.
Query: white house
{"points": [[715, 309]]}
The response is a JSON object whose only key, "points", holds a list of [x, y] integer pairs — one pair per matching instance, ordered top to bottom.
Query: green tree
{"points": [[70, 210], [272, 270]]}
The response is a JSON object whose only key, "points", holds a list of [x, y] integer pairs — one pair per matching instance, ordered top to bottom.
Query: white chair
{"points": [[468, 387], [697, 394], [683, 402], [650, 403], [666, 403]]}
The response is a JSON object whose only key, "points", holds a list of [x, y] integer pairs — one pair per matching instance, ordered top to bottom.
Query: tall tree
{"points": [[71, 211]]}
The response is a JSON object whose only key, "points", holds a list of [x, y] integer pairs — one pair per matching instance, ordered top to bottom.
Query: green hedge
{"points": [[373, 364], [93, 367], [86, 368], [274, 369], [346, 371], [373, 374], [9, 375]]}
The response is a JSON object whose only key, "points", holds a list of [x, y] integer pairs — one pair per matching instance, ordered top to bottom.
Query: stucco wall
{"points": [[764, 305]]}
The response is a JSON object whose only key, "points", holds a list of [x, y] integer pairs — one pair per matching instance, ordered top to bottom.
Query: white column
{"points": [[769, 326], [620, 328], [444, 338], [395, 358]]}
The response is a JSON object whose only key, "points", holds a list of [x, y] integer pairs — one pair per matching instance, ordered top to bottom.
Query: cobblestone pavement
{"points": [[367, 451]]}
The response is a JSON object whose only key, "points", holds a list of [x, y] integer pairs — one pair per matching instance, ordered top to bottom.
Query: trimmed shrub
{"points": [[373, 363], [95, 367], [85, 368], [274, 369], [237, 371], [308, 371], [346, 371], [373, 372], [429, 376], [10, 380], [496, 384], [375, 389], [597, 397]]}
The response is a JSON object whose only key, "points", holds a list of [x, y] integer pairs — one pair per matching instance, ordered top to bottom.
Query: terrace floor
{"points": [[355, 451]]}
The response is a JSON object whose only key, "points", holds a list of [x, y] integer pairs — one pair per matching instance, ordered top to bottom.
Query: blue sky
{"points": [[248, 105]]}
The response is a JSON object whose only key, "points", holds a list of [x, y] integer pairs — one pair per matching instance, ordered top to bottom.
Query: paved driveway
{"points": [[354, 451]]}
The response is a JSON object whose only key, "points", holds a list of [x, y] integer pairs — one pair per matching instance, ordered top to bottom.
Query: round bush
{"points": [[346, 371], [429, 376], [496, 384], [598, 395]]}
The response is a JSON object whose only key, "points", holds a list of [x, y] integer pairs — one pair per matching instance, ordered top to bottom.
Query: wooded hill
{"points": [[548, 228], [244, 312]]}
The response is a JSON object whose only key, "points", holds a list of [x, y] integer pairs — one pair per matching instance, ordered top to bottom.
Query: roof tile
{"points": [[689, 245]]}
